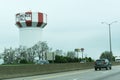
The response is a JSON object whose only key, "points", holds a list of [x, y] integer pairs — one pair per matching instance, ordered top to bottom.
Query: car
{"points": [[83, 61], [42, 62], [102, 63]]}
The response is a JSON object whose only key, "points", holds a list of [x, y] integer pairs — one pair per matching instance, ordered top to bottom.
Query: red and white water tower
{"points": [[30, 26]]}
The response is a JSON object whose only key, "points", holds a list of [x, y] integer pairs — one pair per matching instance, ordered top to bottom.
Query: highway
{"points": [[89, 74]]}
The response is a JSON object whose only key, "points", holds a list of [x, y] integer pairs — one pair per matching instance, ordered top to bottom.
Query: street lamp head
{"points": [[113, 22], [104, 23], [109, 23]]}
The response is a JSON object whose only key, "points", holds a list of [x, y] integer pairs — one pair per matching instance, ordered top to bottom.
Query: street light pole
{"points": [[109, 24], [110, 38]]}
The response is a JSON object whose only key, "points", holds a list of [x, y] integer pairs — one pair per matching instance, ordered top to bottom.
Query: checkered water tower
{"points": [[30, 26]]}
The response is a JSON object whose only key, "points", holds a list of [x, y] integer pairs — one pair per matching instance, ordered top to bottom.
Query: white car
{"points": [[42, 62]]}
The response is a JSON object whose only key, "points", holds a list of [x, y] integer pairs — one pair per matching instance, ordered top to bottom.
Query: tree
{"points": [[41, 49], [44, 50], [59, 52], [71, 54], [26, 55], [31, 55], [107, 55], [9, 56], [60, 59], [90, 59]]}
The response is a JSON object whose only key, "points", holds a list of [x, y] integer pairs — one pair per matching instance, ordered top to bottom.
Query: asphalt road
{"points": [[90, 74]]}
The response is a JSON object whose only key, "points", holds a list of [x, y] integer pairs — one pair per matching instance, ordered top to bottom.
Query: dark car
{"points": [[102, 63]]}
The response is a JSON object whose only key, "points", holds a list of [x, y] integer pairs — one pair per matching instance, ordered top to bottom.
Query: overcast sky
{"points": [[71, 24]]}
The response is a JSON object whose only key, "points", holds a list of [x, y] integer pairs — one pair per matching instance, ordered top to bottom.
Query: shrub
{"points": [[23, 61]]}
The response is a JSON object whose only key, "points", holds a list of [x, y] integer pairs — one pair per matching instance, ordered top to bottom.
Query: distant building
{"points": [[117, 59], [1, 61]]}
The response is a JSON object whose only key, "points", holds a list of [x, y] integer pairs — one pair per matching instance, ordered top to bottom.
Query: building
{"points": [[117, 59]]}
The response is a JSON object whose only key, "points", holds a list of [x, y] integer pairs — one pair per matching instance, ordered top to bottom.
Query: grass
{"points": [[11, 71]]}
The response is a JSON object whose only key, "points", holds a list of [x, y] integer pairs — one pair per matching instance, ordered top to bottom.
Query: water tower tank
{"points": [[30, 26]]}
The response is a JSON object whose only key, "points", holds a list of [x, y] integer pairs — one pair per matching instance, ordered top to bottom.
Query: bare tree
{"points": [[41, 48], [44, 50], [59, 52], [28, 54], [71, 54], [31, 55], [9, 56]]}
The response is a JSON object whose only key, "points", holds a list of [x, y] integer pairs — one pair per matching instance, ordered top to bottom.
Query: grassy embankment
{"points": [[11, 71]]}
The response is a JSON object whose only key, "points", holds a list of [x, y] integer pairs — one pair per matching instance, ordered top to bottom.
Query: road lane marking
{"points": [[61, 75]]}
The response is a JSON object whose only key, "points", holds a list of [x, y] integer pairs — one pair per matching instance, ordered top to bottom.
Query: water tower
{"points": [[30, 26]]}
